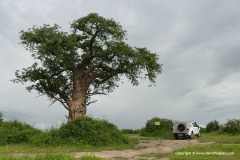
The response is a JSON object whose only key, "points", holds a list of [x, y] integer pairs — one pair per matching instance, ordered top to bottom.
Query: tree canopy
{"points": [[89, 60]]}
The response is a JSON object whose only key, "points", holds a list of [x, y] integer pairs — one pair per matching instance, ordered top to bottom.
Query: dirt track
{"points": [[145, 146]]}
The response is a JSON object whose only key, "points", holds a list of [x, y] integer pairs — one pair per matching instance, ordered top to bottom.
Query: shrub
{"points": [[1, 117], [213, 126], [232, 126], [158, 127], [84, 130], [203, 130], [90, 131], [131, 131], [14, 132], [49, 137]]}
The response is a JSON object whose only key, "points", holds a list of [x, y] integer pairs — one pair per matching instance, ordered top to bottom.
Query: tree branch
{"points": [[93, 39], [89, 51], [109, 74], [96, 93], [61, 94], [55, 99], [59, 100], [90, 102]]}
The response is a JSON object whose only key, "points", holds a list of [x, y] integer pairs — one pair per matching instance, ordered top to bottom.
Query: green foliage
{"points": [[1, 117], [213, 126], [232, 126], [153, 128], [203, 130], [84, 131], [131, 131], [14, 132], [49, 137]]}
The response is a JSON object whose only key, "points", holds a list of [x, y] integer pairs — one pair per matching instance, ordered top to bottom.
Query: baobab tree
{"points": [[89, 60]]}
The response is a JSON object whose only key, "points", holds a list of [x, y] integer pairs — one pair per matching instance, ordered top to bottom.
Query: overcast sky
{"points": [[198, 43]]}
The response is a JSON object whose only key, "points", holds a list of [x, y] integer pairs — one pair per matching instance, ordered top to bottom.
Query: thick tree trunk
{"points": [[77, 105], [77, 108]]}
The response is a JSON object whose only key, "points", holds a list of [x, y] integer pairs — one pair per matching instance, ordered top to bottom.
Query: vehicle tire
{"points": [[181, 127], [199, 134], [191, 136], [176, 137]]}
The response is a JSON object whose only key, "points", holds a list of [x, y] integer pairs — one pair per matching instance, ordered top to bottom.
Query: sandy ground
{"points": [[145, 146]]}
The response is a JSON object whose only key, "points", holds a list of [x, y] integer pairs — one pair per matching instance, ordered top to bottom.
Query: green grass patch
{"points": [[156, 134], [220, 138], [226, 146], [26, 148], [31, 148], [210, 151], [156, 155], [50, 157], [90, 158]]}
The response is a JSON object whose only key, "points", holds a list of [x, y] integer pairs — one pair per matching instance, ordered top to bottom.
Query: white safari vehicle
{"points": [[186, 130]]}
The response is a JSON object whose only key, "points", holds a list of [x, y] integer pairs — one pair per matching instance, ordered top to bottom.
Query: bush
{"points": [[1, 117], [213, 126], [232, 126], [158, 127], [84, 130], [203, 130], [131, 131], [14, 132], [49, 137]]}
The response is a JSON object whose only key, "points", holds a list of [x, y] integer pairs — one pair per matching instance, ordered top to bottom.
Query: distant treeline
{"points": [[232, 126]]}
